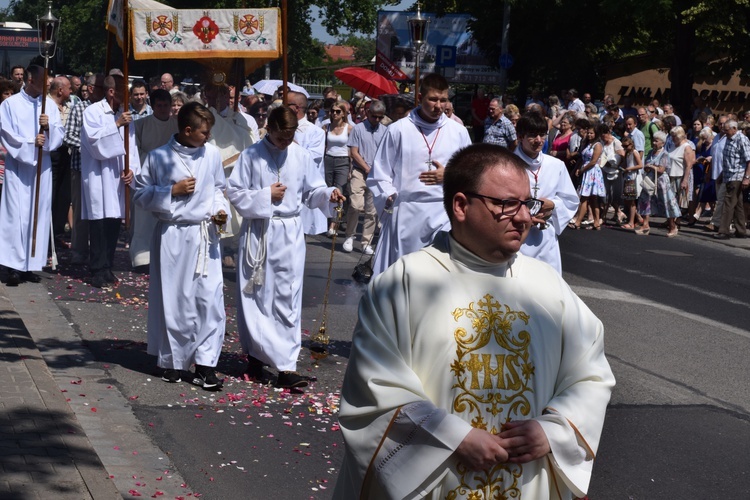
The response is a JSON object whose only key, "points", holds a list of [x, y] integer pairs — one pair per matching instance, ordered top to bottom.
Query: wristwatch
{"points": [[746, 177]]}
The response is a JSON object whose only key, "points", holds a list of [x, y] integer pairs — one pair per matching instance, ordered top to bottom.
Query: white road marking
{"points": [[687, 286], [616, 295]]}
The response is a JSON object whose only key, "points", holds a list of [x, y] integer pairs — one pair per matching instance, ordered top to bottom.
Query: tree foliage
{"points": [[567, 43], [364, 46]]}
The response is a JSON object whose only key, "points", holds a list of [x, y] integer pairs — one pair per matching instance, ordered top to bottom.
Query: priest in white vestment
{"points": [[20, 121], [151, 132], [231, 139], [313, 139], [103, 177], [406, 178], [182, 183], [271, 183], [550, 183], [475, 371]]}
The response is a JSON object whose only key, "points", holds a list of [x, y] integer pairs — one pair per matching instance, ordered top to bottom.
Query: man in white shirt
{"points": [[103, 176]]}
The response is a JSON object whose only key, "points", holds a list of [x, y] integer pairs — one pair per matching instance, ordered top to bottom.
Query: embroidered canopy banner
{"points": [[161, 32], [197, 34]]}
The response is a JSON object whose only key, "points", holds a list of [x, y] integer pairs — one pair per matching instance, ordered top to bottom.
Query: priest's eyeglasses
{"points": [[509, 207]]}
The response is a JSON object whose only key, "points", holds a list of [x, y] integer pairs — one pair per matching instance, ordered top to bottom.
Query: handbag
{"points": [[648, 185]]}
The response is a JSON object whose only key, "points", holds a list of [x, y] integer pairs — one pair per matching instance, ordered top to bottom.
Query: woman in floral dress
{"points": [[592, 182], [663, 201]]}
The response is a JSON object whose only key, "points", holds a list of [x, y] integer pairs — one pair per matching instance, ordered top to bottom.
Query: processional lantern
{"points": [[47, 27], [418, 35]]}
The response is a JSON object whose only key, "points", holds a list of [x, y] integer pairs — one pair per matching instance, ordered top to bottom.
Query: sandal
{"points": [[572, 225], [627, 226], [643, 231]]}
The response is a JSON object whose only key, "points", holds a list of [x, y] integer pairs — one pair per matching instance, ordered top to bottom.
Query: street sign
{"points": [[445, 56], [506, 61]]}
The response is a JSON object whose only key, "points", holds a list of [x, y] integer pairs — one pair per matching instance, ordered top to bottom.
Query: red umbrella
{"points": [[367, 81]]}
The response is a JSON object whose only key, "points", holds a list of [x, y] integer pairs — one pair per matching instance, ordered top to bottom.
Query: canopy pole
{"points": [[284, 48], [126, 103]]}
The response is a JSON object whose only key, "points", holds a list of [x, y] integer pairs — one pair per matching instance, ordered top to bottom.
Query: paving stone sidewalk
{"points": [[44, 452]]}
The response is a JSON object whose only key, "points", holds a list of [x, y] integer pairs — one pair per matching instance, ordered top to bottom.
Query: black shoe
{"points": [[740, 235], [721, 236], [30, 277], [109, 277], [13, 278], [98, 281], [254, 370], [171, 375], [205, 376], [290, 380]]}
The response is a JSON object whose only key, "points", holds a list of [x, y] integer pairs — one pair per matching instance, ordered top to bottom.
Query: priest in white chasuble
{"points": [[475, 372]]}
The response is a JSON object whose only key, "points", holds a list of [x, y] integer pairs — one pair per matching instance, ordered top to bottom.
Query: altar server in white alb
{"points": [[23, 129], [151, 132], [313, 139], [407, 174], [103, 176], [550, 182], [182, 183], [267, 187], [475, 371]]}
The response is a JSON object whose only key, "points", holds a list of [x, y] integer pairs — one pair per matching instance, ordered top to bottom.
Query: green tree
{"points": [[565, 43], [364, 46]]}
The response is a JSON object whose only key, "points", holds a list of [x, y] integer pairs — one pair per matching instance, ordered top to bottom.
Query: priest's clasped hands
{"points": [[518, 442]]}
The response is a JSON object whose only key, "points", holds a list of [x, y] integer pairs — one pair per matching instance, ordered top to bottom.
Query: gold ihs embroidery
{"points": [[492, 370]]}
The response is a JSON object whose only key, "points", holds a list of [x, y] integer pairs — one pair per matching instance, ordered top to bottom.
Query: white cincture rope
{"points": [[257, 264], [201, 266]]}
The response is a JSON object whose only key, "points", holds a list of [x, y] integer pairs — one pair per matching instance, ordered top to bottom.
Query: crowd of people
{"points": [[635, 162], [473, 363]]}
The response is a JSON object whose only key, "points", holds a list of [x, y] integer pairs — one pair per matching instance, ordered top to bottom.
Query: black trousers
{"points": [[60, 189], [103, 234]]}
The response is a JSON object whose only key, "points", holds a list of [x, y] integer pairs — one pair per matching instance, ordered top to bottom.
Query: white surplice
{"points": [[19, 126], [150, 133], [312, 139], [231, 140], [103, 162], [553, 182], [418, 213], [272, 247], [186, 317], [447, 341]]}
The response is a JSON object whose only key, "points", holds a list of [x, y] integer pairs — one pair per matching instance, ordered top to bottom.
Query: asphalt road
{"points": [[676, 327]]}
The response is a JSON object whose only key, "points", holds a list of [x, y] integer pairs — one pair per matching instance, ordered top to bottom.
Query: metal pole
{"points": [[285, 48], [416, 77], [503, 80], [126, 104]]}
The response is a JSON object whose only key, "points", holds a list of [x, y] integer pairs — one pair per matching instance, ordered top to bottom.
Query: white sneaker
{"points": [[331, 233], [348, 244], [368, 250]]}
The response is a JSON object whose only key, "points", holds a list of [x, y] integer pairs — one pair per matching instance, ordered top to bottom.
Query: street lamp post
{"points": [[47, 27], [418, 35]]}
